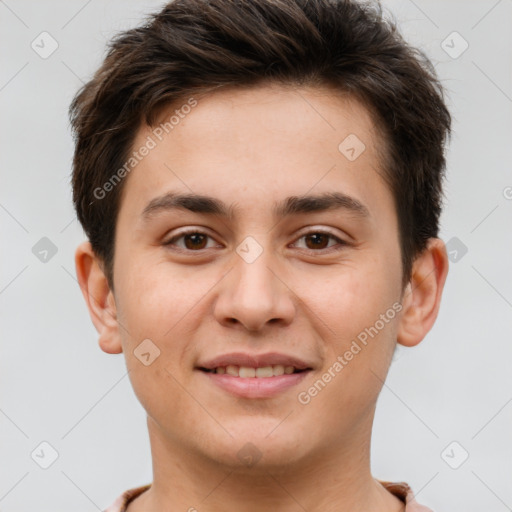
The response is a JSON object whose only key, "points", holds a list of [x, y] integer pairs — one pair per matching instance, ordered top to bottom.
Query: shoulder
{"points": [[404, 492], [122, 501]]}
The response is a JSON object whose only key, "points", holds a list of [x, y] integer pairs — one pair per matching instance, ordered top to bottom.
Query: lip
{"points": [[254, 361], [255, 387]]}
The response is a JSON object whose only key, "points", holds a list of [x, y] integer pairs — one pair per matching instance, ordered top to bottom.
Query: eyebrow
{"points": [[292, 205]]}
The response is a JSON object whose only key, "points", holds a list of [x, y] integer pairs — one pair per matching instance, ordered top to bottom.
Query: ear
{"points": [[422, 296], [98, 297]]}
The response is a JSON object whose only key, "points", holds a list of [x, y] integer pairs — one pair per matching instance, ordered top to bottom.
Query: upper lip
{"points": [[254, 361]]}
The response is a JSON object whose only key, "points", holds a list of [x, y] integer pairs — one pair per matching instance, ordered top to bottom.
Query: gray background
{"points": [[58, 386]]}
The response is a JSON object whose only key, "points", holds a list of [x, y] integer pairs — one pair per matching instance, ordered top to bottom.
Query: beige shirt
{"points": [[399, 489]]}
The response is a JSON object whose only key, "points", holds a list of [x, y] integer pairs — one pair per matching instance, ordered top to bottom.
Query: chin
{"points": [[259, 445]]}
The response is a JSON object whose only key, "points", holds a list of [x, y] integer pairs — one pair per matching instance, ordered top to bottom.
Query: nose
{"points": [[254, 295]]}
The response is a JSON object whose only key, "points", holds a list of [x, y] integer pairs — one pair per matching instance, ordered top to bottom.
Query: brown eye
{"points": [[193, 240], [319, 240]]}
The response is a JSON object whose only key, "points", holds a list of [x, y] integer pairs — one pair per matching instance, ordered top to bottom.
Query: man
{"points": [[260, 183]]}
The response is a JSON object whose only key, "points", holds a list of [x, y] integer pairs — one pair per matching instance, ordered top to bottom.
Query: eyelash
{"points": [[341, 242]]}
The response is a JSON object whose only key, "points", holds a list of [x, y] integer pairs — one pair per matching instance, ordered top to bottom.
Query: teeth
{"points": [[278, 369], [232, 370], [266, 371], [247, 372]]}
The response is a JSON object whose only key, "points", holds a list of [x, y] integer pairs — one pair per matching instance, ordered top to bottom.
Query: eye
{"points": [[193, 240], [316, 240]]}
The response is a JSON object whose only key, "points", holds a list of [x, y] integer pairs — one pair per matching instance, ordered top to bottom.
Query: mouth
{"points": [[247, 372], [255, 376]]}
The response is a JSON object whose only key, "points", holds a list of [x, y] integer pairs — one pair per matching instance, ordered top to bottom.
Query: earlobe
{"points": [[98, 297], [422, 297]]}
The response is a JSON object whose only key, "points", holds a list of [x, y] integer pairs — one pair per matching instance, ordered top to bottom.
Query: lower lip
{"points": [[255, 387]]}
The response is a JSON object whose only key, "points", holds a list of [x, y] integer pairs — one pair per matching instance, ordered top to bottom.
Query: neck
{"points": [[336, 481]]}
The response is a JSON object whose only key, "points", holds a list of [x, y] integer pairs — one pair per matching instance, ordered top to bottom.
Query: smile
{"points": [[245, 372], [253, 383]]}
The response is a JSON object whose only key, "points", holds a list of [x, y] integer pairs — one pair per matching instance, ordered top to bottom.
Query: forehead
{"points": [[289, 113], [255, 144]]}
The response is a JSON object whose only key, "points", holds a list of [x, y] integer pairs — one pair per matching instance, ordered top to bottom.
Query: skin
{"points": [[251, 148]]}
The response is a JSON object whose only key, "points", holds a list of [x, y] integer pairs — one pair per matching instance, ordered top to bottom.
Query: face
{"points": [[257, 276]]}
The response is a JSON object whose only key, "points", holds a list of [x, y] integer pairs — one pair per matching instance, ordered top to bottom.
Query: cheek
{"points": [[154, 296], [353, 298], [166, 304], [155, 309], [359, 326]]}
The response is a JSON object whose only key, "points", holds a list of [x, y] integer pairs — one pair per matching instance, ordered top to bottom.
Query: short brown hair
{"points": [[195, 46]]}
